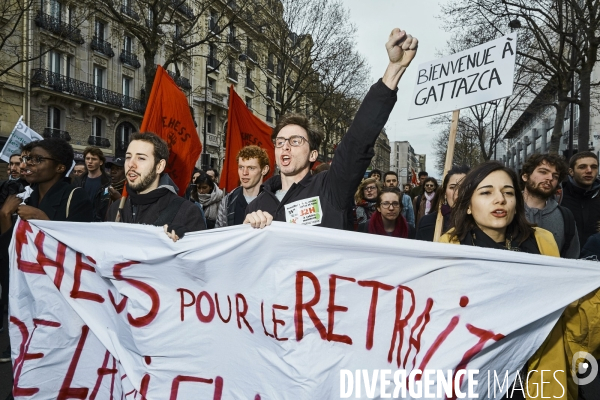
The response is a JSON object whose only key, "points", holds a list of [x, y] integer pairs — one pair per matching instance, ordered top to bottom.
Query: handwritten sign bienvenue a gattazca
{"points": [[474, 76]]}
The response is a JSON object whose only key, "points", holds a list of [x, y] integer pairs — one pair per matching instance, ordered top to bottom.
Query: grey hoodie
{"points": [[551, 219]]}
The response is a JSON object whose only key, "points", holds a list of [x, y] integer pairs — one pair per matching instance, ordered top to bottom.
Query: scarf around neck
{"points": [[429, 198], [376, 226]]}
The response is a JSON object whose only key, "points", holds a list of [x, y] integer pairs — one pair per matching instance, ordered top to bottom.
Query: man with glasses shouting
{"points": [[324, 199]]}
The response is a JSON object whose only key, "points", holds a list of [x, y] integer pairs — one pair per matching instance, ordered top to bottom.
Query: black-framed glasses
{"points": [[295, 141], [35, 160], [369, 188], [387, 204]]}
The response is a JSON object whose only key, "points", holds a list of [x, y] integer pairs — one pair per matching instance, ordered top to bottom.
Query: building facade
{"points": [[86, 83], [532, 130], [381, 160], [403, 160]]}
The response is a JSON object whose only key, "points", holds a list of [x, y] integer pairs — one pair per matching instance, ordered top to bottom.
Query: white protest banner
{"points": [[474, 76], [20, 135], [286, 312]]}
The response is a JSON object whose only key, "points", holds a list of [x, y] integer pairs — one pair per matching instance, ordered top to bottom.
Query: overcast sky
{"points": [[374, 20]]}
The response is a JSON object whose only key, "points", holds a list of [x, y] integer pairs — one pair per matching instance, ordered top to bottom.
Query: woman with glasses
{"points": [[446, 195], [365, 199], [422, 204], [387, 220]]}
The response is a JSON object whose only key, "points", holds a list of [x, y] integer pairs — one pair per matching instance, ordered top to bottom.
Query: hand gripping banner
{"points": [[286, 312]]}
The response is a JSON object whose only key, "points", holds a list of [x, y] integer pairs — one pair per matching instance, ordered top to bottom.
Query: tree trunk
{"points": [[149, 73], [584, 108], [557, 132]]}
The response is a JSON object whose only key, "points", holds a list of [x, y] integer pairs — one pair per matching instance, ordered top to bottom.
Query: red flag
{"points": [[168, 115], [243, 129], [414, 179]]}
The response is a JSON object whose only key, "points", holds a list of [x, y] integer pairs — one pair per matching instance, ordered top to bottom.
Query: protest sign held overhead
{"points": [[474, 76], [168, 115], [243, 129], [20, 135], [210, 317]]}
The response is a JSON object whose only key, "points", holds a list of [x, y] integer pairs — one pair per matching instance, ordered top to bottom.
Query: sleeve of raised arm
{"points": [[355, 151]]}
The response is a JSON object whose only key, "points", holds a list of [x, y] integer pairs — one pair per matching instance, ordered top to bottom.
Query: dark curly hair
{"points": [[59, 149], [161, 149], [537, 159]]}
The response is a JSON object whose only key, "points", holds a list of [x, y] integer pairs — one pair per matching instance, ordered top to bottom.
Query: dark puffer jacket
{"points": [[585, 206]]}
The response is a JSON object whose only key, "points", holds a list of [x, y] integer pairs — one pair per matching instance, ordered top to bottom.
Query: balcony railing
{"points": [[183, 8], [130, 12], [59, 28], [233, 42], [102, 46], [251, 55], [129, 58], [212, 63], [233, 75], [44, 78], [182, 82], [249, 84], [56, 134], [98, 141]]}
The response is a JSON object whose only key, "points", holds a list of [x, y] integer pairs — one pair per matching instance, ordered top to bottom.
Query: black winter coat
{"points": [[335, 188], [101, 199], [585, 206], [188, 219]]}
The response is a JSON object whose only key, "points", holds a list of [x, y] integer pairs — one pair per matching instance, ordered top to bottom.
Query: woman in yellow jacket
{"points": [[489, 212]]}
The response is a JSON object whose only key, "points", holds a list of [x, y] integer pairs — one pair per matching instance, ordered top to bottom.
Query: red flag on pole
{"points": [[168, 115], [243, 129], [414, 179]]}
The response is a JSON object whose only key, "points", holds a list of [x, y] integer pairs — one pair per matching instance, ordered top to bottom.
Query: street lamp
{"points": [[205, 156]]}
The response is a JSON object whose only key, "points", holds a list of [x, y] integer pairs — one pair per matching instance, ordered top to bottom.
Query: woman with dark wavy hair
{"points": [[490, 212]]}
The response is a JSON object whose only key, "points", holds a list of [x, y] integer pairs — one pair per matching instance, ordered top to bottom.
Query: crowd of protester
{"points": [[549, 208]]}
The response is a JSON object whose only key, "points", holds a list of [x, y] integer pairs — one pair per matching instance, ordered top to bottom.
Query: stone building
{"points": [[381, 160], [403, 160]]}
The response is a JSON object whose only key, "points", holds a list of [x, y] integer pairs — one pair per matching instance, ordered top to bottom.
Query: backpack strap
{"points": [[69, 201], [167, 215], [570, 228]]}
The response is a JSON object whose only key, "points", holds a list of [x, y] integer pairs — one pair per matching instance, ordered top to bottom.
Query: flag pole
{"points": [[449, 156]]}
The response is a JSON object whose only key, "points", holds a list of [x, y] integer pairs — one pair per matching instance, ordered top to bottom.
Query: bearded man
{"points": [[541, 176], [152, 196]]}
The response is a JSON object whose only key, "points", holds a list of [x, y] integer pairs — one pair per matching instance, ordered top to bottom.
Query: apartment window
{"points": [[55, 9], [71, 15], [212, 23], [99, 29], [178, 31], [232, 34], [127, 44], [54, 62], [271, 62], [69, 67], [99, 77], [127, 83], [212, 84], [269, 88], [249, 103], [269, 114], [54, 118], [210, 123], [97, 127], [124, 130]]}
